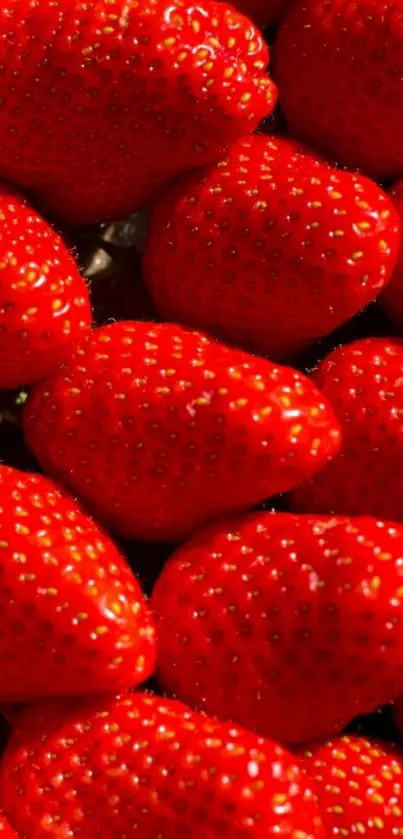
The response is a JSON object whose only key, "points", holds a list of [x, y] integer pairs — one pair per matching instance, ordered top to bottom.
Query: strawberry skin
{"points": [[338, 69], [115, 99], [270, 248], [391, 299], [44, 303], [364, 383], [158, 429], [74, 619], [286, 624], [147, 767], [359, 784], [5, 830]]}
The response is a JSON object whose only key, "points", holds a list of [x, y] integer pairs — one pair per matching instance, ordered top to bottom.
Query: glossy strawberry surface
{"points": [[338, 65], [101, 103], [270, 247], [44, 304], [364, 383], [159, 429], [73, 617], [286, 624], [144, 766], [359, 784]]}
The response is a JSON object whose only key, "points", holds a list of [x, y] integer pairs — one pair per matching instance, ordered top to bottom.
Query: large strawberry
{"points": [[338, 69], [103, 102], [270, 247], [391, 299], [44, 304], [364, 383], [159, 429], [73, 618], [286, 624], [146, 767], [359, 784], [5, 830]]}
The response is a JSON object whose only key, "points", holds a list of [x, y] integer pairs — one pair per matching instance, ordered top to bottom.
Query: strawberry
{"points": [[338, 69], [103, 102], [270, 247], [391, 300], [44, 305], [364, 383], [159, 429], [74, 619], [286, 624], [142, 766], [359, 785], [5, 830]]}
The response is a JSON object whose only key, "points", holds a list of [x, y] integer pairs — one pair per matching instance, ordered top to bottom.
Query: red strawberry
{"points": [[338, 68], [103, 102], [270, 247], [391, 299], [44, 304], [364, 383], [159, 429], [74, 620], [286, 624], [147, 767], [359, 785], [5, 830]]}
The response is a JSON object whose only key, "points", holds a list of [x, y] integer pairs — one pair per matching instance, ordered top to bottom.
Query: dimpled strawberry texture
{"points": [[338, 66], [103, 103], [270, 248], [391, 299], [44, 303], [364, 383], [159, 429], [73, 617], [286, 624], [143, 766], [359, 784], [5, 830]]}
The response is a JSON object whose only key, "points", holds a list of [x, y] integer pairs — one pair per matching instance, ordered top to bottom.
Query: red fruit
{"points": [[338, 69], [102, 103], [270, 248], [391, 300], [44, 304], [364, 383], [159, 429], [74, 620], [286, 624], [147, 767], [359, 785], [5, 830]]}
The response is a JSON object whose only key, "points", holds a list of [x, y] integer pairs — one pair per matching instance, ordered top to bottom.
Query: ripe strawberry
{"points": [[338, 69], [103, 102], [270, 248], [391, 300], [44, 304], [364, 383], [159, 429], [74, 619], [286, 624], [147, 767], [359, 785], [5, 830]]}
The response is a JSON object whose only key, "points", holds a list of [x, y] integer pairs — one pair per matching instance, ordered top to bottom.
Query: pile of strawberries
{"points": [[201, 558]]}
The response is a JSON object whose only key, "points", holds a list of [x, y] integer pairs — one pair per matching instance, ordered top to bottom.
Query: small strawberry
{"points": [[338, 69], [103, 102], [270, 248], [391, 300], [44, 304], [364, 383], [159, 429], [74, 620], [286, 624], [142, 766], [359, 784], [5, 830]]}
